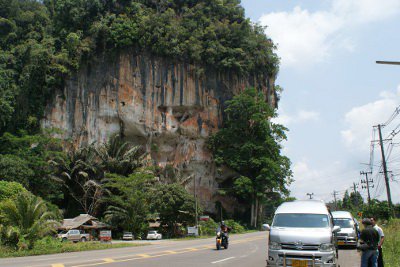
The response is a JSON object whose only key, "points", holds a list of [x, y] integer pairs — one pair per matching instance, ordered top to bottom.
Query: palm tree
{"points": [[119, 156], [81, 174], [30, 215]]}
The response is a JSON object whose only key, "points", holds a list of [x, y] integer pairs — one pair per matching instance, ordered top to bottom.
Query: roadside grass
{"points": [[53, 246], [391, 247]]}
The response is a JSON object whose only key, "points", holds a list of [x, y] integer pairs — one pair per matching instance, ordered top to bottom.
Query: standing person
{"points": [[381, 240], [369, 244]]}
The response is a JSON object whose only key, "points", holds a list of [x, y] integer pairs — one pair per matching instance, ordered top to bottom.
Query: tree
{"points": [[249, 144], [120, 157], [25, 159], [15, 169], [80, 174], [9, 190], [356, 199], [128, 200], [346, 200], [174, 205], [377, 208], [30, 215]]}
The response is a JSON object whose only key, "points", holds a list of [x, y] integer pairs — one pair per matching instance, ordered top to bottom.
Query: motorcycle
{"points": [[222, 240]]}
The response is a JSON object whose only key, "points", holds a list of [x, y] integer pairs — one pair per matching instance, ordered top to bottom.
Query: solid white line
{"points": [[223, 260]]}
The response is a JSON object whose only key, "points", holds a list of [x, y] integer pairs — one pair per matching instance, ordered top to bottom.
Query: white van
{"points": [[302, 234], [348, 234]]}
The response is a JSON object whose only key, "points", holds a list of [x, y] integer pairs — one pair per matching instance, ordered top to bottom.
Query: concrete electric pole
{"points": [[385, 172], [367, 181], [335, 193], [310, 195]]}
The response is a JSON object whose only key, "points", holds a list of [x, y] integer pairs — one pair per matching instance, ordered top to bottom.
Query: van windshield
{"points": [[301, 220], [343, 222]]}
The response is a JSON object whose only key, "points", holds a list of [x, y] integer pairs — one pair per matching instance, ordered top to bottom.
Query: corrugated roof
{"points": [[76, 222]]}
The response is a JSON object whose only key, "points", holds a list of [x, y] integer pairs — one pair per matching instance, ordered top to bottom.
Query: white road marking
{"points": [[55, 258], [223, 260]]}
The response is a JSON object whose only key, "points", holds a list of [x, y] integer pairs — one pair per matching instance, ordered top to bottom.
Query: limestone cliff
{"points": [[169, 107]]}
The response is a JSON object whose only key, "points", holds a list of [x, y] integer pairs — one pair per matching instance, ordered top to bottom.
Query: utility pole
{"points": [[385, 172], [367, 181], [355, 186], [310, 195], [334, 196], [195, 200]]}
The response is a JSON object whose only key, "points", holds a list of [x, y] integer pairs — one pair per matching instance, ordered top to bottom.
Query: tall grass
{"points": [[49, 245], [391, 246]]}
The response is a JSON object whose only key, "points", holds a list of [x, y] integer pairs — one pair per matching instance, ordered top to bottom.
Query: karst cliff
{"points": [[168, 107]]}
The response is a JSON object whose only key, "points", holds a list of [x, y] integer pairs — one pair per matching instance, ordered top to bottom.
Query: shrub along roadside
{"points": [[208, 228], [50, 245], [391, 247]]}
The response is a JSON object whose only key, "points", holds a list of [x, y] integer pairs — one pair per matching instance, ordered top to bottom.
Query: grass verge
{"points": [[44, 247], [391, 247]]}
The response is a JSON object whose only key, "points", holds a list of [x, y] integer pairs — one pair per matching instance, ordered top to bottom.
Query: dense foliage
{"points": [[41, 42], [249, 144], [25, 159], [9, 190], [354, 203], [26, 218]]}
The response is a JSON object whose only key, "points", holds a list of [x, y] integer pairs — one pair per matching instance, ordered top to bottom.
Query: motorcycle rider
{"points": [[225, 229]]}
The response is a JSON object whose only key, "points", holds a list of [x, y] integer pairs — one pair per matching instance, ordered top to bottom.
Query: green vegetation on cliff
{"points": [[41, 42], [250, 144]]}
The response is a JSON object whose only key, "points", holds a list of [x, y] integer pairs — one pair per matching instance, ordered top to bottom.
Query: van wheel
{"points": [[64, 239], [83, 239]]}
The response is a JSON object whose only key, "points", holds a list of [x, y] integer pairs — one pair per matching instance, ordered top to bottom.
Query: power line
{"points": [[392, 117]]}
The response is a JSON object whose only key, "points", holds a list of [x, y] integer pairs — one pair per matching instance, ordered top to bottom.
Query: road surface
{"points": [[244, 250]]}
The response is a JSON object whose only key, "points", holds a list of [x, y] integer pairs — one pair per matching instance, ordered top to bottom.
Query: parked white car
{"points": [[153, 235], [127, 236]]}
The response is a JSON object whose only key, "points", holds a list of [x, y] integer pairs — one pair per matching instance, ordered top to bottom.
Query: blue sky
{"points": [[333, 90]]}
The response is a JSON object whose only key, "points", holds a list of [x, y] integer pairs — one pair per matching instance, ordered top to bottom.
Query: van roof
{"points": [[303, 206], [342, 214]]}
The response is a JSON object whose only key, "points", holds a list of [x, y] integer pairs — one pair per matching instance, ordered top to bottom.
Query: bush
{"points": [[10, 190], [377, 208], [208, 227], [236, 227], [9, 236]]}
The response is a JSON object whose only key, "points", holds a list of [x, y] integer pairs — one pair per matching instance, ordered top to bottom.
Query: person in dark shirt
{"points": [[370, 238], [381, 240]]}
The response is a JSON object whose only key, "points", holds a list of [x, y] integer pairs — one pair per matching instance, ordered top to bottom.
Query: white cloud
{"points": [[301, 35], [305, 38], [300, 117], [360, 120], [321, 182]]}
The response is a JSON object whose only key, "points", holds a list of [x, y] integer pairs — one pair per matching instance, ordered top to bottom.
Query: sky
{"points": [[334, 92]]}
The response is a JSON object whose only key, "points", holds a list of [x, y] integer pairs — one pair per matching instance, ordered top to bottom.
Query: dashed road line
{"points": [[166, 253], [223, 260]]}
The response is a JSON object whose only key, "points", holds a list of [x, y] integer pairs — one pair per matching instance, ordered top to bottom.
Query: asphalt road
{"points": [[244, 250]]}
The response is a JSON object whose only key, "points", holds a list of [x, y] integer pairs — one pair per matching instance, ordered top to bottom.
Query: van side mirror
{"points": [[266, 227], [336, 229]]}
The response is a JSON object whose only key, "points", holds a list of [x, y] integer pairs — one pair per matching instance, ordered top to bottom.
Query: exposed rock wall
{"points": [[168, 107]]}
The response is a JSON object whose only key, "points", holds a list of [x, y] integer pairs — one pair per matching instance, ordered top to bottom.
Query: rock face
{"points": [[170, 108]]}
